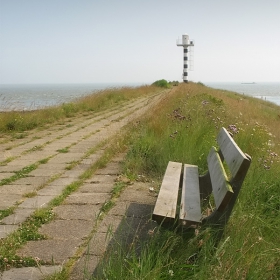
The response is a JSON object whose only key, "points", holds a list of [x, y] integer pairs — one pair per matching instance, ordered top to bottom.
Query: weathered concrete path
{"points": [[50, 155]]}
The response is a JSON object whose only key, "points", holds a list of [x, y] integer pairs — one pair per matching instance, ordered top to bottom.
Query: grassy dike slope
{"points": [[182, 128]]}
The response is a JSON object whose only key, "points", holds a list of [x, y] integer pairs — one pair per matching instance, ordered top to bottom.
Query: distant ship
{"points": [[249, 83]]}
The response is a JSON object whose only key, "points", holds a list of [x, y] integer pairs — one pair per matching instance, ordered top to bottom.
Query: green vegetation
{"points": [[161, 83], [164, 84], [184, 129], [19, 174], [27, 231]]}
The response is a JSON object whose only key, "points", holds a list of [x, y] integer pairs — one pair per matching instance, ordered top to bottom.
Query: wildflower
{"points": [[233, 128], [171, 272]]}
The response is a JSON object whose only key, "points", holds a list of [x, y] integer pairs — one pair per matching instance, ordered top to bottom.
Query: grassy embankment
{"points": [[182, 128]]}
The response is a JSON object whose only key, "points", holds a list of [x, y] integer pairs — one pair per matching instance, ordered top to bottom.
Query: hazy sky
{"points": [[91, 41]]}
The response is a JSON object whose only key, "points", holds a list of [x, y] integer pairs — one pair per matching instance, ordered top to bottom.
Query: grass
{"points": [[184, 129]]}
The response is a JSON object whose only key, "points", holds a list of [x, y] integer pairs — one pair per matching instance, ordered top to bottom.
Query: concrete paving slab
{"points": [[55, 146], [80, 148], [36, 156], [96, 156], [68, 157], [21, 161], [88, 161], [50, 166], [12, 168], [79, 168], [110, 169], [48, 172], [72, 174], [5, 175], [96, 179], [36, 182], [62, 182], [96, 188], [16, 189], [51, 190], [138, 192], [87, 198], [8, 200], [37, 201], [132, 209], [77, 212], [20, 215], [109, 224], [133, 228], [67, 229], [5, 230], [98, 244], [51, 250], [84, 267], [30, 273]]}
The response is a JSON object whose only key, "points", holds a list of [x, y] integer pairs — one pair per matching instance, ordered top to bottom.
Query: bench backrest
{"points": [[226, 188]]}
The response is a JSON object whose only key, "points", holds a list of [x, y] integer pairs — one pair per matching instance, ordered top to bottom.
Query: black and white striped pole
{"points": [[185, 43]]}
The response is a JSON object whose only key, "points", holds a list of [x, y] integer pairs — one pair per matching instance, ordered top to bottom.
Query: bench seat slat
{"points": [[222, 190], [166, 205], [190, 210]]}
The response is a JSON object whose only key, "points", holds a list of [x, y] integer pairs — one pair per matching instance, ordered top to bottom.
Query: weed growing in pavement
{"points": [[36, 148], [64, 150], [6, 161], [44, 161], [19, 174], [30, 194], [6, 212], [28, 231]]}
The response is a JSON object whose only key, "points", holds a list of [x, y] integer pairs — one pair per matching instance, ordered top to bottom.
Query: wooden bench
{"points": [[184, 191]]}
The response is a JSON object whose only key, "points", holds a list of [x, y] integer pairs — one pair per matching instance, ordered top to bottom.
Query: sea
{"points": [[266, 91], [26, 97]]}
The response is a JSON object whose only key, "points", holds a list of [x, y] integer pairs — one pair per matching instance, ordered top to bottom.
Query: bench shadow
{"points": [[136, 228], [135, 232]]}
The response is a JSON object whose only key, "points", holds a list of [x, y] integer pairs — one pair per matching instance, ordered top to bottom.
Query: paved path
{"points": [[47, 158]]}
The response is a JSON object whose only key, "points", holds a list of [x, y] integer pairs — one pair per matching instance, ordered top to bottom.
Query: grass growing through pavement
{"points": [[182, 128]]}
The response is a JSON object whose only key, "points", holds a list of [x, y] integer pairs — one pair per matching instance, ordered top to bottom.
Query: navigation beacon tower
{"points": [[185, 43]]}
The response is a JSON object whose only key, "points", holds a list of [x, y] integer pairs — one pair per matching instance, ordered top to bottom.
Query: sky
{"points": [[131, 41]]}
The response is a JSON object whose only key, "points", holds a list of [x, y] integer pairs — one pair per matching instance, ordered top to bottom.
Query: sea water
{"points": [[266, 91], [36, 96], [27, 97]]}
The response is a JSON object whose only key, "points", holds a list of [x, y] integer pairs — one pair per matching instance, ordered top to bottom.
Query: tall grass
{"points": [[182, 128]]}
